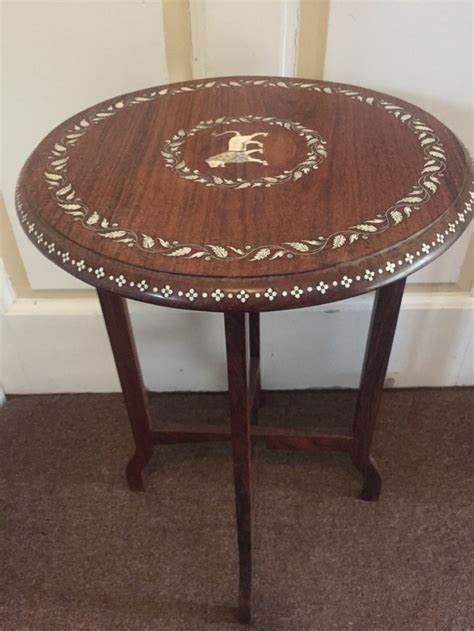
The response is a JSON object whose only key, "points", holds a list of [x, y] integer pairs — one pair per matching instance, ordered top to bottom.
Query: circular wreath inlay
{"points": [[173, 158], [424, 187]]}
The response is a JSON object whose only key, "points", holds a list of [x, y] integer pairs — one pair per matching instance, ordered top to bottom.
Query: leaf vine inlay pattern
{"points": [[426, 185]]}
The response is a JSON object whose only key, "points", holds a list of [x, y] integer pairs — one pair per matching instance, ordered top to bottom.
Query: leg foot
{"points": [[122, 341], [134, 470], [372, 482], [244, 614]]}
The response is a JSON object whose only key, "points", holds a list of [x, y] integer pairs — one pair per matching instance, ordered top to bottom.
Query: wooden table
{"points": [[244, 195]]}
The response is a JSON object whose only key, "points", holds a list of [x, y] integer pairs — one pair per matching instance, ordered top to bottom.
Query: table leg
{"points": [[119, 328], [235, 332], [381, 333], [254, 338]]}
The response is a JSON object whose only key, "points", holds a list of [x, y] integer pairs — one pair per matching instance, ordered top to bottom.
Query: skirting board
{"points": [[60, 345]]}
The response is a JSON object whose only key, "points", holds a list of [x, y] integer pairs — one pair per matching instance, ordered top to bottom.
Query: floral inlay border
{"points": [[316, 153], [427, 183], [322, 285]]}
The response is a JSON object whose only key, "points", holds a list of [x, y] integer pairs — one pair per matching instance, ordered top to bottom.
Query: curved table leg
{"points": [[117, 321], [381, 333], [241, 448]]}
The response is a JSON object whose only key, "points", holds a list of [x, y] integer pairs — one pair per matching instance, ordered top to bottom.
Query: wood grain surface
{"points": [[160, 195]]}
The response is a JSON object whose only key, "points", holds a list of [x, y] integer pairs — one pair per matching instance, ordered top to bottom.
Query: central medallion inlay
{"points": [[244, 148]]}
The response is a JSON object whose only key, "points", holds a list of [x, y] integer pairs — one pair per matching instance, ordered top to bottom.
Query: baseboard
{"points": [[60, 345]]}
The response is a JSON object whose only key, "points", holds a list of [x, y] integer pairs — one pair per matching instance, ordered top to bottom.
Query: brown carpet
{"points": [[79, 551]]}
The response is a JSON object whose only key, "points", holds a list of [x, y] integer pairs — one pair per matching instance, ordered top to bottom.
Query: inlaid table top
{"points": [[246, 193]]}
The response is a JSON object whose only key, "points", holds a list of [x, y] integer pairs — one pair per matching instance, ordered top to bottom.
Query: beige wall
{"points": [[312, 37]]}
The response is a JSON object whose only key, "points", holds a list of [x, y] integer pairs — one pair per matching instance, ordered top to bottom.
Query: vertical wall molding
{"points": [[197, 17], [289, 35], [244, 38], [312, 38], [178, 39], [7, 293]]}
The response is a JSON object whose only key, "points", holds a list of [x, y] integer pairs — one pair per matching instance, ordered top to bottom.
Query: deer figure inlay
{"points": [[238, 149]]}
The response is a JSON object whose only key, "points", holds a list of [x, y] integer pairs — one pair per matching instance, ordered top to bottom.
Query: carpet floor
{"points": [[79, 551]]}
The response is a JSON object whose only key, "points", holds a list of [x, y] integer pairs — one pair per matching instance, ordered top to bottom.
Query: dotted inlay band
{"points": [[82, 269]]}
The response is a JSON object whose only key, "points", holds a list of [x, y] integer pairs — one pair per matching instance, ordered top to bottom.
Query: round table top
{"points": [[246, 193]]}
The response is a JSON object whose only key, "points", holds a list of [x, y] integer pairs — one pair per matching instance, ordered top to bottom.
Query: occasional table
{"points": [[243, 195]]}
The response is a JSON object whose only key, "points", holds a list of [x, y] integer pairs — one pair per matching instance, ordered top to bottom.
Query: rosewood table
{"points": [[244, 195]]}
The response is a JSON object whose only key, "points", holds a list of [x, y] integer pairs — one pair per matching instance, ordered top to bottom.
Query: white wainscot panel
{"points": [[59, 58], [62, 346]]}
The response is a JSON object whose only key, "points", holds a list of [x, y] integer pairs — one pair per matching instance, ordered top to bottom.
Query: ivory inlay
{"points": [[238, 149]]}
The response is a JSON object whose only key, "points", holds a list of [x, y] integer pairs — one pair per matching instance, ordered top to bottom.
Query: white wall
{"points": [[420, 51], [62, 56], [59, 58]]}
